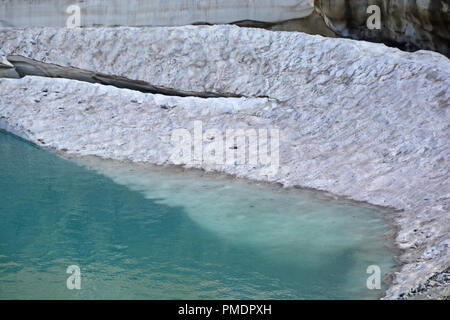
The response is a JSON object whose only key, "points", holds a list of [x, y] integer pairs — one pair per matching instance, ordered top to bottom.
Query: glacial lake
{"points": [[141, 232]]}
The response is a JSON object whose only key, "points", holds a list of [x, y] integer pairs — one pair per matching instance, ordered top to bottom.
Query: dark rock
{"points": [[410, 25]]}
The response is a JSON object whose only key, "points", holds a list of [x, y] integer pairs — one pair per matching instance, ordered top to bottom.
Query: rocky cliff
{"points": [[408, 24]]}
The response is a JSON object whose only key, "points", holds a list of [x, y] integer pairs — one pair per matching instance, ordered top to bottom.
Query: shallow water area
{"points": [[142, 232]]}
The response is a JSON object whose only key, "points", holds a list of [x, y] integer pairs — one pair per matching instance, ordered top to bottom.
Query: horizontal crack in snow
{"points": [[29, 67]]}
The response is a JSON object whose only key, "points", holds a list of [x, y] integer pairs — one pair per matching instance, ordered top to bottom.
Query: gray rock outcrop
{"points": [[408, 24]]}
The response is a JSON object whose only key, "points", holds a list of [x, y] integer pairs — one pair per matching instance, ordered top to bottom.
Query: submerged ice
{"points": [[145, 232]]}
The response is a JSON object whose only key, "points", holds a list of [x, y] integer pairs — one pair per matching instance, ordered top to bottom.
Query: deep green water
{"points": [[138, 232]]}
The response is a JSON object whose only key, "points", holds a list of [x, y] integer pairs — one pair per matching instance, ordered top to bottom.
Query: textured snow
{"points": [[292, 67], [357, 119]]}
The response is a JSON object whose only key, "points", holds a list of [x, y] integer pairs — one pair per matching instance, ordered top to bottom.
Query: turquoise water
{"points": [[140, 232]]}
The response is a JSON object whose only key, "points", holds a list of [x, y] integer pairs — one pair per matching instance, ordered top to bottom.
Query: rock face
{"points": [[53, 13], [409, 24], [7, 69], [357, 119]]}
